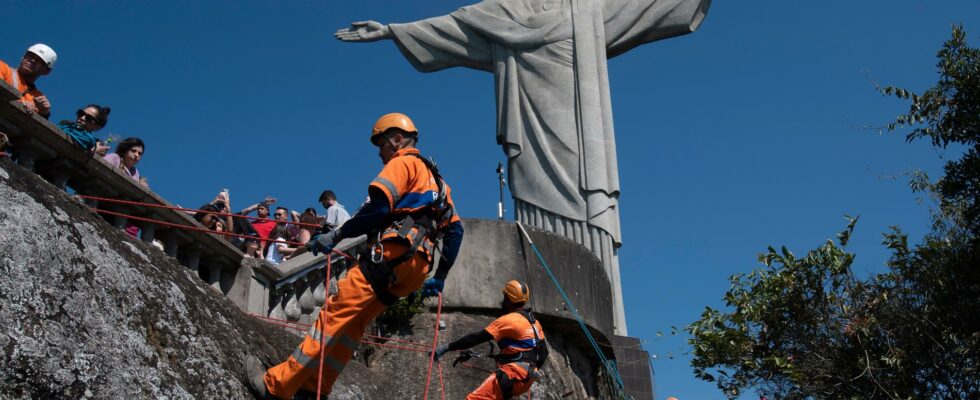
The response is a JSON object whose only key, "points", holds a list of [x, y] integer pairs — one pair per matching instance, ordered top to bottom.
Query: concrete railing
{"points": [[40, 146], [295, 290], [292, 291]]}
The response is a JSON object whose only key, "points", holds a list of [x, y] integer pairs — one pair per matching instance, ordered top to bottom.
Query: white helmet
{"points": [[46, 53]]}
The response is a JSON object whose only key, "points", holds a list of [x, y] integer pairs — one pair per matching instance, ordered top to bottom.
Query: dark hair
{"points": [[103, 117], [129, 143], [327, 195], [205, 210], [308, 217], [280, 231]]}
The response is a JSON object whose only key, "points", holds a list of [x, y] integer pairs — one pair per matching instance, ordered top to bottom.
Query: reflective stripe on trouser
{"points": [[341, 326], [490, 388]]}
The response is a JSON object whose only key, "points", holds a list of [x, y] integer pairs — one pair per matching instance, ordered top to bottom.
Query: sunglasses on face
{"points": [[84, 116]]}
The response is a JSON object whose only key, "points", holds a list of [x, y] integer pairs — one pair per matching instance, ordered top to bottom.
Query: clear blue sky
{"points": [[744, 134]]}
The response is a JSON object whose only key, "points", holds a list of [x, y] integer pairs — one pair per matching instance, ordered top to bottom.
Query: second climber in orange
{"points": [[409, 209], [520, 340]]}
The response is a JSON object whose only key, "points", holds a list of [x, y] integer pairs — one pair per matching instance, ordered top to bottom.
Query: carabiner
{"points": [[377, 253]]}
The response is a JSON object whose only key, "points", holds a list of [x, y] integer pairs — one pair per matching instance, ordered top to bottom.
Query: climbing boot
{"points": [[254, 374]]}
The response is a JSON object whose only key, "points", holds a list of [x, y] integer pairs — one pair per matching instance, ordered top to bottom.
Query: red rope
{"points": [[136, 203], [205, 230], [323, 313], [280, 320], [286, 326], [302, 327], [397, 340], [394, 347], [432, 356], [471, 366], [442, 386]]}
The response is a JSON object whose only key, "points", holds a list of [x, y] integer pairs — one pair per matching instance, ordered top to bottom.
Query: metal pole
{"points": [[500, 203]]}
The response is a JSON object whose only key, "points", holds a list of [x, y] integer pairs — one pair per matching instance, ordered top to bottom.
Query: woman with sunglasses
{"points": [[87, 120]]}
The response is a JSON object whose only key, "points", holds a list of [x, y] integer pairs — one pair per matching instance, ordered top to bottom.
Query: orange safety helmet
{"points": [[391, 121], [516, 292]]}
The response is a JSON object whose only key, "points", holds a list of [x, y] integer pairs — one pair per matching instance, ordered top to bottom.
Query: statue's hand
{"points": [[365, 31]]}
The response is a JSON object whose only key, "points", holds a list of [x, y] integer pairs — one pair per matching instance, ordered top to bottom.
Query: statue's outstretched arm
{"points": [[364, 31]]}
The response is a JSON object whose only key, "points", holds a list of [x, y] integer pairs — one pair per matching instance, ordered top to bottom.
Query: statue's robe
{"points": [[554, 117]]}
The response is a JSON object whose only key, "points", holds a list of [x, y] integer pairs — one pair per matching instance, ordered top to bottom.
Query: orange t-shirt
{"points": [[28, 93]]}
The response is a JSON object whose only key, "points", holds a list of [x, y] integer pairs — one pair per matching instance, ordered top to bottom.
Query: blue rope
{"points": [[595, 346]]}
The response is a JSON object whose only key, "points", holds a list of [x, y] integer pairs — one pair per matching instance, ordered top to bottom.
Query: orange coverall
{"points": [[409, 186], [514, 335]]}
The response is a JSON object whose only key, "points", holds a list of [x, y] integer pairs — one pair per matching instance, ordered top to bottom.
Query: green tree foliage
{"points": [[949, 113], [808, 328]]}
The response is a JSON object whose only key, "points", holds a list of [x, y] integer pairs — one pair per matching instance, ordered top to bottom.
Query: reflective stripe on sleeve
{"points": [[395, 196]]}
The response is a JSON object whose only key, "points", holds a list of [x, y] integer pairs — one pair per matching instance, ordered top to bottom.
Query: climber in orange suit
{"points": [[409, 210], [522, 348]]}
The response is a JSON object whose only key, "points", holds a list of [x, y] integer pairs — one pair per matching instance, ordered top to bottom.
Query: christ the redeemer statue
{"points": [[554, 117]]}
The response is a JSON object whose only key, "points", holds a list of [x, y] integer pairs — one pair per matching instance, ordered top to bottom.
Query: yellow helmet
{"points": [[390, 121], [516, 292]]}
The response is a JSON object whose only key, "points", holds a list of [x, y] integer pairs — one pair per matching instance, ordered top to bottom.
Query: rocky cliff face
{"points": [[87, 312]]}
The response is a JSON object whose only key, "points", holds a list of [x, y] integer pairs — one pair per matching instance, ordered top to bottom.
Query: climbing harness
{"points": [[413, 229], [537, 355]]}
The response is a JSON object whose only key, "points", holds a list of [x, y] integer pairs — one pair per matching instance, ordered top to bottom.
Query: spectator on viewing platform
{"points": [[37, 62], [87, 121], [128, 154], [336, 213], [205, 216], [282, 216], [308, 220], [218, 223], [262, 226], [278, 249]]}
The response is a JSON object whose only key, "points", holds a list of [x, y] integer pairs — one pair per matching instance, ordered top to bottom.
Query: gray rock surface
{"points": [[87, 312]]}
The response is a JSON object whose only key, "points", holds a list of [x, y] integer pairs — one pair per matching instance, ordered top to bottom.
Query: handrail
{"points": [[92, 175]]}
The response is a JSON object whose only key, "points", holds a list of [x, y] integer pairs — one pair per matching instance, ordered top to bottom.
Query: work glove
{"points": [[323, 243], [432, 287], [440, 351]]}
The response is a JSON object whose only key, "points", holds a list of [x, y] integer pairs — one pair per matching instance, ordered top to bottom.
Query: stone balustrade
{"points": [[40, 146]]}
